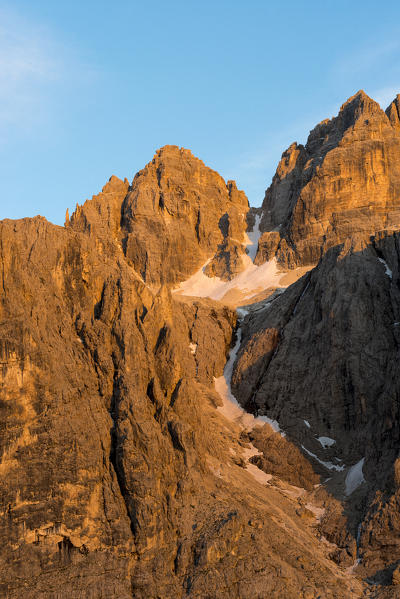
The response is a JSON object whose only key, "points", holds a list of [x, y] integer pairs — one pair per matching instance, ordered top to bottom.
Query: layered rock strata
{"points": [[345, 181], [176, 215], [322, 360], [118, 476]]}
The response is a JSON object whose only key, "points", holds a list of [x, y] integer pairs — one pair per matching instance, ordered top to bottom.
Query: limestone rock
{"points": [[345, 181], [178, 215], [175, 216], [322, 359], [118, 476]]}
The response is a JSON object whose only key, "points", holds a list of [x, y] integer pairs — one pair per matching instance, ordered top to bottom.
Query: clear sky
{"points": [[92, 88]]}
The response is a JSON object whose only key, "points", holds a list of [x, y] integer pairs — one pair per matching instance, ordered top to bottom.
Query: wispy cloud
{"points": [[366, 58], [27, 63], [37, 69], [385, 95]]}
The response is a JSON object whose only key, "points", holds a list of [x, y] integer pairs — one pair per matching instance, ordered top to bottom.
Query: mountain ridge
{"points": [[129, 467]]}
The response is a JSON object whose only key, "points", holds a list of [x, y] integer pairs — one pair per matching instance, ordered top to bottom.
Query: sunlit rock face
{"points": [[344, 181], [175, 216], [156, 442], [119, 476]]}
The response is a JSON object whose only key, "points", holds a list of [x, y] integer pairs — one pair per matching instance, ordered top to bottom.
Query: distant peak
{"points": [[360, 95], [362, 101], [396, 101], [393, 112], [167, 149], [170, 150], [115, 184]]}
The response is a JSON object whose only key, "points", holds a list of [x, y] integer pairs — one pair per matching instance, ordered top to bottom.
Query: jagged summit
{"points": [[360, 100], [393, 112], [345, 181], [176, 215], [129, 467]]}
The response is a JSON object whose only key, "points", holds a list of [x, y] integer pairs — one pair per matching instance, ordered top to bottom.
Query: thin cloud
{"points": [[366, 58], [26, 65], [36, 69], [385, 95]]}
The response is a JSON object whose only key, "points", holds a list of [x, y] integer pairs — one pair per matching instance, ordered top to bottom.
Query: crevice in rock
{"points": [[197, 227], [161, 337], [175, 392], [251, 405], [114, 446]]}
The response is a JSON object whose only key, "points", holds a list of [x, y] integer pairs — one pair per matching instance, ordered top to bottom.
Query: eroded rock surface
{"points": [[345, 181], [175, 216], [322, 359], [118, 476]]}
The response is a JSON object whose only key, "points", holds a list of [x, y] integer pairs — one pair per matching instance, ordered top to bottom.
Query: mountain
{"points": [[344, 181], [175, 215], [322, 360], [200, 399]]}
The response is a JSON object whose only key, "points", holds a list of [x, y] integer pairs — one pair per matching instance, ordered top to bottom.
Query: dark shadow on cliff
{"points": [[322, 361]]}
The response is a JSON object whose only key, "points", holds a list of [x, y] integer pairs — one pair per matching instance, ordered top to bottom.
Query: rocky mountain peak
{"points": [[359, 104], [393, 112], [344, 181], [115, 185], [176, 215], [171, 217], [129, 465]]}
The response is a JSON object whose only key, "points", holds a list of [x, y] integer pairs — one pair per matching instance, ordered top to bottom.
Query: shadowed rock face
{"points": [[345, 181], [326, 353]]}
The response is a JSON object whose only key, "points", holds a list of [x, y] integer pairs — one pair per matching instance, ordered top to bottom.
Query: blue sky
{"points": [[90, 89]]}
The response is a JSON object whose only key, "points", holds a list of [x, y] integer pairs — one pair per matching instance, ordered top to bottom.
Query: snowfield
{"points": [[250, 281], [355, 477]]}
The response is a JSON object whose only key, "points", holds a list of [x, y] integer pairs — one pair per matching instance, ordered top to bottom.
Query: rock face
{"points": [[345, 181], [176, 215], [322, 360], [95, 445], [123, 472], [118, 476]]}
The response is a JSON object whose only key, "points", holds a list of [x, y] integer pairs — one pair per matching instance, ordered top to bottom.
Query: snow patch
{"points": [[252, 237], [388, 272], [250, 281], [301, 297], [241, 312], [193, 348], [231, 408], [233, 411], [273, 424], [308, 425], [326, 441], [327, 465], [260, 476], [355, 477]]}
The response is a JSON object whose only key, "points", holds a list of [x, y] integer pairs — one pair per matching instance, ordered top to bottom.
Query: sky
{"points": [[92, 88]]}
